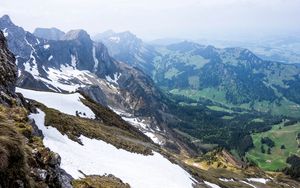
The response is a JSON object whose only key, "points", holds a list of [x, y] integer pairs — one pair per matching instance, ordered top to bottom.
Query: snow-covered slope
{"points": [[66, 103], [143, 125], [98, 157]]}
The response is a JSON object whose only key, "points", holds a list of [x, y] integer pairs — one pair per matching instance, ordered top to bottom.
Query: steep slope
{"points": [[49, 34], [126, 47], [78, 63], [8, 70], [231, 76], [25, 162]]}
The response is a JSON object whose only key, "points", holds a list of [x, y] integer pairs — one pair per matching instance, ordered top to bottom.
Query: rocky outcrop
{"points": [[8, 71], [95, 93], [24, 161], [94, 181]]}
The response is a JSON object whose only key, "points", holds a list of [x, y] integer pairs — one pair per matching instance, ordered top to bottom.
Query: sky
{"points": [[152, 19]]}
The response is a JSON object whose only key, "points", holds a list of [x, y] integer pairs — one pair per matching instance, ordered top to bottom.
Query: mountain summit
{"points": [[49, 33], [78, 34]]}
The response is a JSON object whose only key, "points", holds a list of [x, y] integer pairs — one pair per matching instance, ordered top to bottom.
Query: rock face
{"points": [[49, 33], [128, 48], [76, 51], [77, 63], [8, 70], [19, 167]]}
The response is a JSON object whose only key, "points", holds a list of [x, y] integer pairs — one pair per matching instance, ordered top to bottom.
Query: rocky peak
{"points": [[6, 19], [49, 33], [78, 34], [19, 41], [8, 70]]}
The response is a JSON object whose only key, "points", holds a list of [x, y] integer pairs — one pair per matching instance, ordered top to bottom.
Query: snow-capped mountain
{"points": [[78, 63]]}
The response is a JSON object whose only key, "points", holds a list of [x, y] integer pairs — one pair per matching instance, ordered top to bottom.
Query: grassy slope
{"points": [[286, 107], [74, 127], [285, 135], [17, 143], [94, 181]]}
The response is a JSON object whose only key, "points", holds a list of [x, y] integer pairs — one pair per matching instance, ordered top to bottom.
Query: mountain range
{"points": [[230, 76], [115, 104]]}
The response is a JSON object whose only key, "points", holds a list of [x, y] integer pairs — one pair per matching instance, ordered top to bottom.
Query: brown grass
{"points": [[74, 127], [94, 181]]}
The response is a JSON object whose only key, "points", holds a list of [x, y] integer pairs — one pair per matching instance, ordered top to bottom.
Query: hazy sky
{"points": [[151, 19]]}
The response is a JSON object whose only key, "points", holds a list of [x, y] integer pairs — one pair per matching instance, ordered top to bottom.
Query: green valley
{"points": [[281, 135]]}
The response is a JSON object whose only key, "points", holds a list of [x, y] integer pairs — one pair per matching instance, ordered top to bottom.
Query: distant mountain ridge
{"points": [[49, 33], [128, 48], [77, 63], [231, 76]]}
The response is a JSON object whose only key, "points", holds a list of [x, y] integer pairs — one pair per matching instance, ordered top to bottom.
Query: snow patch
{"points": [[5, 33], [46, 46], [50, 58], [95, 59], [73, 61], [31, 65], [33, 69], [60, 79], [115, 79], [65, 103], [138, 123], [153, 137], [98, 157], [226, 180], [259, 180], [248, 184], [212, 185]]}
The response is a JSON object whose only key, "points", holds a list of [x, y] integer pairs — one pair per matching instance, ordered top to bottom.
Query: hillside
{"points": [[234, 77], [88, 119]]}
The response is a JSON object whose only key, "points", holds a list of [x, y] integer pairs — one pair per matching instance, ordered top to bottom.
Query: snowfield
{"points": [[65, 103], [140, 124], [98, 157]]}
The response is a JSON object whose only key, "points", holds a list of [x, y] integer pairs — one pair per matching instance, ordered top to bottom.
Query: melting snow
{"points": [[5, 33], [46, 46], [50, 58], [95, 59], [73, 61], [33, 69], [60, 78], [116, 78], [66, 103], [140, 124], [153, 137], [98, 157], [226, 180], [259, 180], [248, 184], [212, 185]]}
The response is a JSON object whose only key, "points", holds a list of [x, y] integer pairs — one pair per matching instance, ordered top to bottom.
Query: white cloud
{"points": [[157, 18]]}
